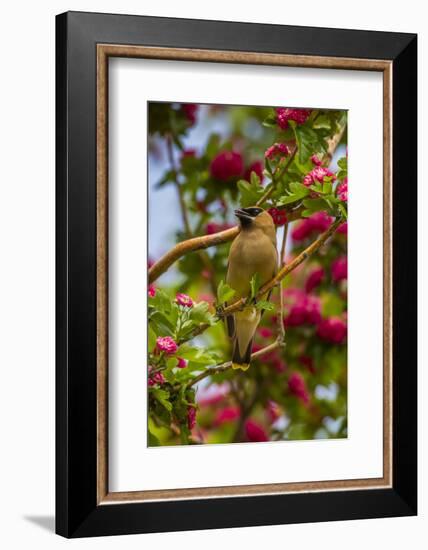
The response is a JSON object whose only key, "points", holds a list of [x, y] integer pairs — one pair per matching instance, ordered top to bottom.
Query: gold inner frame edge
{"points": [[104, 51]]}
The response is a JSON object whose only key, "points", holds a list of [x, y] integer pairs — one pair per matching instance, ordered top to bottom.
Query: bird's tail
{"points": [[240, 361]]}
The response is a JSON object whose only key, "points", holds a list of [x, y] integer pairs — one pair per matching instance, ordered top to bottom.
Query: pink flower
{"points": [[190, 110], [284, 115], [277, 150], [316, 160], [227, 165], [257, 168], [317, 174], [342, 190], [279, 216], [317, 223], [214, 227], [343, 228], [339, 269], [314, 279], [152, 291], [183, 300], [303, 309], [332, 330], [265, 332], [166, 344], [181, 363], [156, 378], [297, 386], [273, 410], [228, 414], [191, 417], [254, 431]]}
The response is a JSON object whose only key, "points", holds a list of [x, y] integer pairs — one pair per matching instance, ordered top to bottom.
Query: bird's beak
{"points": [[242, 215]]}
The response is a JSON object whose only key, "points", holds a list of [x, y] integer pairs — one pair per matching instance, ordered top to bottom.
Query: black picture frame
{"points": [[77, 511]]}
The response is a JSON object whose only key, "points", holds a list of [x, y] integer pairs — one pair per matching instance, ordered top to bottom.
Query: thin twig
{"points": [[181, 202], [286, 269], [281, 329], [228, 364]]}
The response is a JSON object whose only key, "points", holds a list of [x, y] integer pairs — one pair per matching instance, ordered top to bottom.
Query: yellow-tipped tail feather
{"points": [[243, 366]]}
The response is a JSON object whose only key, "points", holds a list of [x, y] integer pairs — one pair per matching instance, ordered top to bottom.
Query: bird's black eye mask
{"points": [[246, 215]]}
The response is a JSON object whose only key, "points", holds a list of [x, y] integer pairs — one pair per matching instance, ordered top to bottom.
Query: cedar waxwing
{"points": [[253, 251]]}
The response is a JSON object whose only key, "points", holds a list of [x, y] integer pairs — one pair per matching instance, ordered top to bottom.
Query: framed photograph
{"points": [[236, 333]]}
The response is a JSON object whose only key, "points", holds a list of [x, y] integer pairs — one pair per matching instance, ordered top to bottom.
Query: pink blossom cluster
{"points": [[190, 110], [285, 114], [277, 150], [316, 160], [227, 165], [317, 174], [342, 190], [279, 216], [317, 223], [339, 269], [314, 279], [152, 291], [183, 300], [303, 309], [332, 330], [166, 344], [181, 363], [155, 378], [297, 386], [227, 414], [255, 431]]}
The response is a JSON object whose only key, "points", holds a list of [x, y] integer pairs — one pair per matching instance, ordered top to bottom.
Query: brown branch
{"points": [[198, 243], [190, 245], [286, 269], [226, 366]]}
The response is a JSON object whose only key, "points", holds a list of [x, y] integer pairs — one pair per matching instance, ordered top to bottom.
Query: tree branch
{"points": [[198, 243], [286, 269], [226, 366]]}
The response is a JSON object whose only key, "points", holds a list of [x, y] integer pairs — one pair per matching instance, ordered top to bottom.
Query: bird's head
{"points": [[253, 216]]}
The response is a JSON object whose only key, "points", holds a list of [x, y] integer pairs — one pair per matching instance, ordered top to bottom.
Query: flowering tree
{"points": [[296, 386]]}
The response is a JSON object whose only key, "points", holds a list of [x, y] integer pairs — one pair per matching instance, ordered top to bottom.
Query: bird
{"points": [[254, 251]]}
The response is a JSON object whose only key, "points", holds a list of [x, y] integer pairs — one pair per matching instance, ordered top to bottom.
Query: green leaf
{"points": [[269, 121], [322, 121], [343, 163], [250, 192], [298, 192], [255, 285], [224, 292], [265, 305], [200, 313], [162, 397]]}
